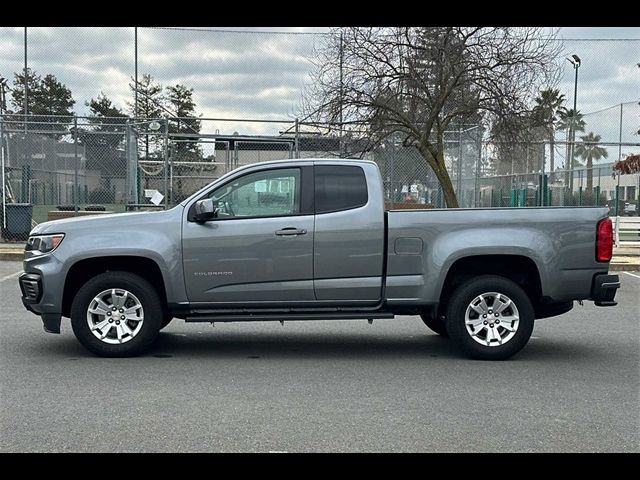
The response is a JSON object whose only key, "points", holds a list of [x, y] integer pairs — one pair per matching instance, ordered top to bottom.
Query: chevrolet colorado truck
{"points": [[311, 240]]}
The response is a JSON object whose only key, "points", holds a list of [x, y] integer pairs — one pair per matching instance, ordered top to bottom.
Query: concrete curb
{"points": [[11, 255], [624, 267]]}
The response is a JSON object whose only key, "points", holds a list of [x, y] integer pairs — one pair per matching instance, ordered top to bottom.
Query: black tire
{"points": [[139, 287], [462, 298], [166, 320], [436, 324]]}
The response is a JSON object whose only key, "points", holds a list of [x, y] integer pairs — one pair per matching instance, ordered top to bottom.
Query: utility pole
{"points": [[135, 61]]}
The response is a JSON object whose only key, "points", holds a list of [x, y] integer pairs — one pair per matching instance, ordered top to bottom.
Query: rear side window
{"points": [[339, 188]]}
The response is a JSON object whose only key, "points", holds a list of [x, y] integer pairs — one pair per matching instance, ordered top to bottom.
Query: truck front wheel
{"points": [[116, 314], [490, 318]]}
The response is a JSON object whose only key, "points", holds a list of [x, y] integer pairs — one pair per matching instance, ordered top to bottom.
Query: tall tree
{"points": [[419, 81], [33, 82], [46, 96], [150, 105], [547, 109], [566, 118], [184, 120], [570, 120], [108, 121], [103, 140], [518, 143], [589, 150]]}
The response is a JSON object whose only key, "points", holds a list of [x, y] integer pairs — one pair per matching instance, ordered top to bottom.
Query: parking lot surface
{"points": [[323, 386]]}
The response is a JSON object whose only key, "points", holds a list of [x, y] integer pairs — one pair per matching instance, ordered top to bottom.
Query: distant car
{"points": [[630, 209]]}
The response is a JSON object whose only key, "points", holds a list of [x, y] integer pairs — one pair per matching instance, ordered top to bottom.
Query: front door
{"points": [[259, 250]]}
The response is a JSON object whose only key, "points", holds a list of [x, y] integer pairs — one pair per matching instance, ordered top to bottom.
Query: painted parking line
{"points": [[632, 274], [8, 277]]}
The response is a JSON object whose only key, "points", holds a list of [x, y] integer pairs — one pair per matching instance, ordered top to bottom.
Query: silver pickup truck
{"points": [[311, 240]]}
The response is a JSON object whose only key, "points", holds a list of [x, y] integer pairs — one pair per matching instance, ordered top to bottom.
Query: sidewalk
{"points": [[11, 251], [624, 258]]}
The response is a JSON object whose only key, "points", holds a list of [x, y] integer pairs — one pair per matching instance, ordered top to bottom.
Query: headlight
{"points": [[39, 244]]}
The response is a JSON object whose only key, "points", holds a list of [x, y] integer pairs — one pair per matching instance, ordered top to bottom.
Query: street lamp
{"points": [[575, 61]]}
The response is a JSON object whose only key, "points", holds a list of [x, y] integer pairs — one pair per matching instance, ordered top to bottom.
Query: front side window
{"points": [[271, 193]]}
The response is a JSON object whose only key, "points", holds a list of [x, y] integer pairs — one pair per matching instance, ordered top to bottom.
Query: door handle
{"points": [[290, 231]]}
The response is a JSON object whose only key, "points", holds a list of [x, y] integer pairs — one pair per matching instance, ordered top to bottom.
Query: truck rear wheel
{"points": [[116, 314], [490, 318], [436, 324]]}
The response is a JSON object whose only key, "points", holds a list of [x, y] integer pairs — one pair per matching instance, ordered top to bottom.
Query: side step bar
{"points": [[256, 317]]}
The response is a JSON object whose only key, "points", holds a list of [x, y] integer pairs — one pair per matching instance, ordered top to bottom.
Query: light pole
{"points": [[575, 61]]}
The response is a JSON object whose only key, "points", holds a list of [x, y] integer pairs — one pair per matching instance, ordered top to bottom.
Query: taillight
{"points": [[604, 241]]}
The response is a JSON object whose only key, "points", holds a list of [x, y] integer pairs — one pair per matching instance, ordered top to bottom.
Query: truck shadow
{"points": [[301, 345], [310, 345], [351, 346]]}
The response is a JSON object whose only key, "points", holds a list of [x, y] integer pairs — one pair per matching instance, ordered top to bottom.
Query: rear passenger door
{"points": [[349, 233]]}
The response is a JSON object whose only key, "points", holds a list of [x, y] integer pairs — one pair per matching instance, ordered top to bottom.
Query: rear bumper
{"points": [[604, 290]]}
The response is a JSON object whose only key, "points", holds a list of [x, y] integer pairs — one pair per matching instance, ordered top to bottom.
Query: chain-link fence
{"points": [[88, 163], [83, 165]]}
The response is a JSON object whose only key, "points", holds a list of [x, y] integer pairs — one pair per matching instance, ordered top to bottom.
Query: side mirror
{"points": [[205, 210]]}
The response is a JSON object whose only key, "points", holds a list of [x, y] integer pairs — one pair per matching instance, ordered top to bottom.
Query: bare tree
{"points": [[418, 81]]}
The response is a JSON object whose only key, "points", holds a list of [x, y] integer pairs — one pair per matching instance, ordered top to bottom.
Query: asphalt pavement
{"points": [[328, 386]]}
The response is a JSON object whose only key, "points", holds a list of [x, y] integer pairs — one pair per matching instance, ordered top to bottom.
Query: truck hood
{"points": [[110, 221]]}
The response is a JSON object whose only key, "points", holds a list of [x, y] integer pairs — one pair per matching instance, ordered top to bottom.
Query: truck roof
{"points": [[308, 160], [284, 161]]}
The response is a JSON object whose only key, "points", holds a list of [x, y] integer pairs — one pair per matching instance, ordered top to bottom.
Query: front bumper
{"points": [[31, 288], [604, 290]]}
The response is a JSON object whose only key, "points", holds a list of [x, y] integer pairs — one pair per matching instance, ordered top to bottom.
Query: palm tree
{"points": [[549, 105], [567, 118], [571, 121], [589, 150]]}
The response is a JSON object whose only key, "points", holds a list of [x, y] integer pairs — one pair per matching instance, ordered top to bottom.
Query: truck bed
{"points": [[424, 243]]}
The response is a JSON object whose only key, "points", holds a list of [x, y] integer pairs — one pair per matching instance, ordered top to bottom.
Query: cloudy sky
{"points": [[261, 75]]}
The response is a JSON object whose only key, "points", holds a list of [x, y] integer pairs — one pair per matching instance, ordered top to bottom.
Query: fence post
{"points": [[297, 139], [166, 163], [541, 177], [4, 179], [459, 179], [76, 188], [476, 190], [392, 192], [617, 232]]}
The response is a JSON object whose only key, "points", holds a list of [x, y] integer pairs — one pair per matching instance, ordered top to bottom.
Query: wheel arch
{"points": [[85, 269], [521, 269]]}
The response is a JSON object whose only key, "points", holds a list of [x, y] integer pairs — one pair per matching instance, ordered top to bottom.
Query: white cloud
{"points": [[261, 75]]}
